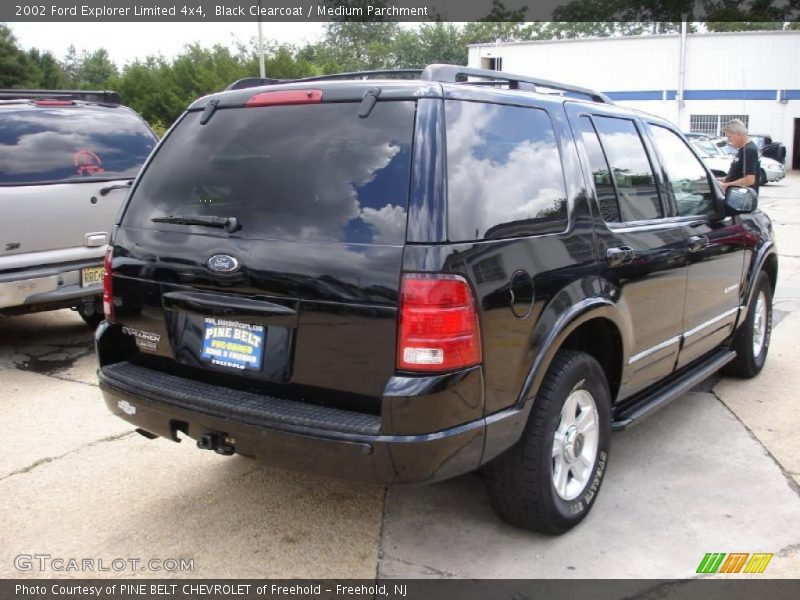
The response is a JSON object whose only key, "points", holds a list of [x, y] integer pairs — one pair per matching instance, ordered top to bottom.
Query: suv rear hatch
{"points": [[262, 248]]}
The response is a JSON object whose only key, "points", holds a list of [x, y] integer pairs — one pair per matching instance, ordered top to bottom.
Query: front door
{"points": [[714, 242], [642, 249]]}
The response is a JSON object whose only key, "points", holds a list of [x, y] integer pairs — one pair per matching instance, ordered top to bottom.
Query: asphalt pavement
{"points": [[718, 470]]}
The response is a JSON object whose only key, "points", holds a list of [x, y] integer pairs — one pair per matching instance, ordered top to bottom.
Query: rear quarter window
{"points": [[52, 145], [504, 172]]}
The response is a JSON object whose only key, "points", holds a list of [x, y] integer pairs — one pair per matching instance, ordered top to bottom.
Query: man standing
{"points": [[744, 168]]}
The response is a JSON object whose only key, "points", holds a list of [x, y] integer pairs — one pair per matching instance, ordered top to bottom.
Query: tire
{"points": [[762, 178], [92, 320], [752, 340], [521, 482]]}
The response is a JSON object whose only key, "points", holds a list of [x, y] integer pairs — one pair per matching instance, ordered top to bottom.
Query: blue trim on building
{"points": [[650, 95], [706, 95]]}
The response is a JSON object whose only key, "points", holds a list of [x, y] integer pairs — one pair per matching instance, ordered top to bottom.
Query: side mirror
{"points": [[741, 199]]}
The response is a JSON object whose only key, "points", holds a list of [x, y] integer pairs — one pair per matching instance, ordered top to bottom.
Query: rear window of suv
{"points": [[66, 144], [306, 173]]}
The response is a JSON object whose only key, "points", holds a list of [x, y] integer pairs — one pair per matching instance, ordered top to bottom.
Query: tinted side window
{"points": [[41, 145], [630, 167], [504, 174], [686, 177], [603, 184]]}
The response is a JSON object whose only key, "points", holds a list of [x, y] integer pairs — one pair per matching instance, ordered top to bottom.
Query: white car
{"points": [[719, 155], [717, 161], [65, 168], [771, 170]]}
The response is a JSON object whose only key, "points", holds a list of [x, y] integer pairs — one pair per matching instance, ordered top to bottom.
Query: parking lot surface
{"points": [[716, 471]]}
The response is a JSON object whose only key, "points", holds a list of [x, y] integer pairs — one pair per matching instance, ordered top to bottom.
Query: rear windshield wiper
{"points": [[229, 224]]}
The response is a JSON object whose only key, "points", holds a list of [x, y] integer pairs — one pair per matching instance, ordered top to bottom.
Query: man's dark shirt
{"points": [[745, 163]]}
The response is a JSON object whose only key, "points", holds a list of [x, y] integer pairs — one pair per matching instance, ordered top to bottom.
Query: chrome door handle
{"points": [[697, 243], [619, 256]]}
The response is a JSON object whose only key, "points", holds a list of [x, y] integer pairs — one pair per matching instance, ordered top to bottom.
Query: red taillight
{"points": [[285, 97], [108, 291], [438, 326]]}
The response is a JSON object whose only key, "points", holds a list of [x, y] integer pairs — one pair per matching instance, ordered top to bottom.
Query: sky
{"points": [[126, 42]]}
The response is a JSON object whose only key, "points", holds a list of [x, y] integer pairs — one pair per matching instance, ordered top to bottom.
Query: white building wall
{"points": [[719, 63]]}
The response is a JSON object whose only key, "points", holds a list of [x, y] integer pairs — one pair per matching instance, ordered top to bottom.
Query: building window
{"points": [[492, 64], [714, 124]]}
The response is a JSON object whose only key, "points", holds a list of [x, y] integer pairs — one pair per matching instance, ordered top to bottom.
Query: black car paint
{"points": [[342, 318]]}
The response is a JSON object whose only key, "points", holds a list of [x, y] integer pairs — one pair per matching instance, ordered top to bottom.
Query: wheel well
{"points": [[771, 267], [600, 339]]}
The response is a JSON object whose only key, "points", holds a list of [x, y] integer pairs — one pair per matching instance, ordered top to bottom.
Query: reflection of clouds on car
{"points": [[45, 143], [49, 148], [490, 150], [317, 173], [389, 222]]}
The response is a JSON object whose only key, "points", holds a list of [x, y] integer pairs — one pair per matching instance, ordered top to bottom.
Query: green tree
{"points": [[431, 43], [354, 46], [14, 63], [71, 67], [96, 69], [199, 71], [46, 72], [148, 87]]}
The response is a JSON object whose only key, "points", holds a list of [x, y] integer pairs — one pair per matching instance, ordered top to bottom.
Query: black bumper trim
{"points": [[235, 405]]}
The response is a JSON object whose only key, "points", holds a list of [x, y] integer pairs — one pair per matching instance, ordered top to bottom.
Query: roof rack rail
{"points": [[386, 73], [443, 74], [458, 74], [249, 82], [103, 96]]}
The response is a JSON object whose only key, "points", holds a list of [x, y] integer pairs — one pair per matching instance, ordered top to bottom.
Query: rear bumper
{"points": [[43, 288], [428, 429], [299, 445]]}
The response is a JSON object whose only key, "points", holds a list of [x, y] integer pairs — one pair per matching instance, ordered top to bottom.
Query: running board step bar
{"points": [[635, 411]]}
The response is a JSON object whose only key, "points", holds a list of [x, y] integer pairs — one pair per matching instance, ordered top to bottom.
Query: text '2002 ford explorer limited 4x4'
{"points": [[401, 281]]}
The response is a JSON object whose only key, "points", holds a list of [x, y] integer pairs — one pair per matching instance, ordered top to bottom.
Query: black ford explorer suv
{"points": [[401, 281]]}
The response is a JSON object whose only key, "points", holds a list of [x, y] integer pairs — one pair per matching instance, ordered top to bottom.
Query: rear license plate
{"points": [[92, 276], [232, 344]]}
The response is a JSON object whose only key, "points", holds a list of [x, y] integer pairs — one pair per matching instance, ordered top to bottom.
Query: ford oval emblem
{"points": [[222, 263]]}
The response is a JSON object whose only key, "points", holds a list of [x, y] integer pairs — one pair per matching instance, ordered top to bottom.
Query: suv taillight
{"points": [[108, 291], [438, 327]]}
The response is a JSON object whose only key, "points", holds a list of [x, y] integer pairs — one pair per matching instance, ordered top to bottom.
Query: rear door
{"points": [[56, 162], [715, 243], [643, 249], [303, 291]]}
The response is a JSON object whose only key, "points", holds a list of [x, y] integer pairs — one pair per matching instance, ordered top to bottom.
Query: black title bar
{"points": [[395, 10], [730, 588]]}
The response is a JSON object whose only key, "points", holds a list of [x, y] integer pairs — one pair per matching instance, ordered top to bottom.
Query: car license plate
{"points": [[92, 276], [232, 344]]}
